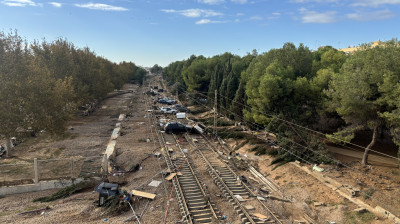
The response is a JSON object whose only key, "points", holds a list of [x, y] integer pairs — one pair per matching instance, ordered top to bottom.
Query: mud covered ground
{"points": [[88, 137]]}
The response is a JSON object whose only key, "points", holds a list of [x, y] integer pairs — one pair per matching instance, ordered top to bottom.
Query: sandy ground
{"points": [[307, 191]]}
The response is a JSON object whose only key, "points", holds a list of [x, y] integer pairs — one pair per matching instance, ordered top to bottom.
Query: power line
{"points": [[308, 129], [309, 156]]}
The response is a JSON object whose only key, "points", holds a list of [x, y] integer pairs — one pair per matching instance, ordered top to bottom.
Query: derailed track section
{"points": [[194, 202]]}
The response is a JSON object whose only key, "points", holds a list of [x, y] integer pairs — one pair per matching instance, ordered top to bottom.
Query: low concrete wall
{"points": [[110, 150], [43, 185]]}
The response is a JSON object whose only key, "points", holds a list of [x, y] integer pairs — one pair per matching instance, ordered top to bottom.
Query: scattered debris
{"points": [[121, 117], [157, 154], [317, 168], [172, 175], [118, 178], [243, 179], [155, 183], [105, 190], [265, 190], [66, 192], [143, 194], [239, 198], [260, 198], [277, 198], [118, 203], [318, 204], [249, 207], [360, 210], [36, 211], [261, 216], [299, 222]]}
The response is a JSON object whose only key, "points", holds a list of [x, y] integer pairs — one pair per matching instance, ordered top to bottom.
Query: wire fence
{"points": [[50, 169], [17, 172]]}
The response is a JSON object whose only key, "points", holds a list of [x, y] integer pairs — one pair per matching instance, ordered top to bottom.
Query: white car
{"points": [[168, 110]]}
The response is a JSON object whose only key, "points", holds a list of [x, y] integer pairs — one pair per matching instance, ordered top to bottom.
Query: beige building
{"points": [[350, 50]]}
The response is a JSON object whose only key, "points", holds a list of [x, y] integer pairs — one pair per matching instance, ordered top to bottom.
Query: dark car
{"points": [[167, 100], [162, 101], [171, 101], [180, 108], [176, 127]]}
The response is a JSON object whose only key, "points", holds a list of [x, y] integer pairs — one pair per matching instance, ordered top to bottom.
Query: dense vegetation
{"points": [[43, 83], [290, 89]]}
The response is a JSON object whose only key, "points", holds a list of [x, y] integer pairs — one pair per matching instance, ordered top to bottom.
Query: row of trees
{"points": [[42, 83], [325, 90]]}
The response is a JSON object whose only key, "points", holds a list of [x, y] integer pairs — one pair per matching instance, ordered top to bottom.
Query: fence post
{"points": [[105, 164], [72, 169], [36, 170]]}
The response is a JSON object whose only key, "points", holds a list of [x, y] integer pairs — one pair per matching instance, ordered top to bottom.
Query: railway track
{"points": [[231, 185], [194, 201]]}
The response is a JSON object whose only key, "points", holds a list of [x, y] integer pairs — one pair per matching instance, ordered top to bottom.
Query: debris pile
{"points": [[68, 191]]}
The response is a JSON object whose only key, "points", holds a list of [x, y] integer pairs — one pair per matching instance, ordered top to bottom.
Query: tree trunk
{"points": [[371, 144], [8, 147]]}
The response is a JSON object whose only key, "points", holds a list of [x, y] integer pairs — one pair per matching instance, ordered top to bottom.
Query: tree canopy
{"points": [[43, 83], [325, 90]]}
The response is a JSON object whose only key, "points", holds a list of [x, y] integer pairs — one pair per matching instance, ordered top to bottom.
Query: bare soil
{"points": [[307, 190]]}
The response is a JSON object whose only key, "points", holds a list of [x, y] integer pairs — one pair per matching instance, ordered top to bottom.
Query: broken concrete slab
{"points": [[155, 183]]}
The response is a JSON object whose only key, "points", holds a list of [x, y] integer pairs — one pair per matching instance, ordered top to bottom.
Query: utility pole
{"points": [[215, 113]]}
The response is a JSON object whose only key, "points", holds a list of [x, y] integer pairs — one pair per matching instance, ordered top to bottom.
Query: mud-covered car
{"points": [[168, 110], [176, 127]]}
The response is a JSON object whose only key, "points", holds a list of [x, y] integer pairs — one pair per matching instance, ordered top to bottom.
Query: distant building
{"points": [[351, 50]]}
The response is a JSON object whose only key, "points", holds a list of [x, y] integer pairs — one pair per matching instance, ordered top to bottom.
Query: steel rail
{"points": [[214, 150], [197, 180], [224, 187], [178, 190]]}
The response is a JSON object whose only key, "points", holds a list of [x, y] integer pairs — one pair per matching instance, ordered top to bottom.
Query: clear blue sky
{"points": [[147, 32]]}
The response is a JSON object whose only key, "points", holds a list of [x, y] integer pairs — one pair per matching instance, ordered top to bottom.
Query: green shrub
{"points": [[369, 192], [355, 217]]}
